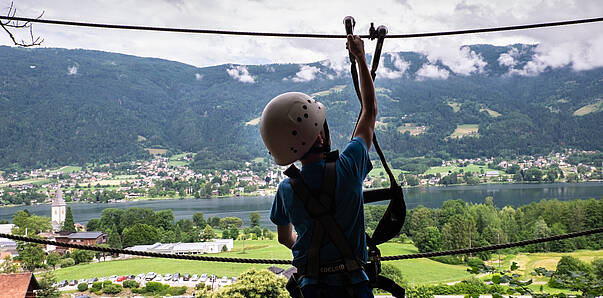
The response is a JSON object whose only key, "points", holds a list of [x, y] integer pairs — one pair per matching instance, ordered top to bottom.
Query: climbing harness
{"points": [[320, 207], [392, 221]]}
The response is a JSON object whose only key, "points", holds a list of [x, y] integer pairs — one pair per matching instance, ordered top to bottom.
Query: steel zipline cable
{"points": [[298, 35], [288, 262]]}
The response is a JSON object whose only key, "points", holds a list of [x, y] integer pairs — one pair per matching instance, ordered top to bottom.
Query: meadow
{"points": [[418, 271]]}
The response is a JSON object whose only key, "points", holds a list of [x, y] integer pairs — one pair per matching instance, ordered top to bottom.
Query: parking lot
{"points": [[173, 279]]}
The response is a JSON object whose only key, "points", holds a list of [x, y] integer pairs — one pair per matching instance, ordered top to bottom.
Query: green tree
{"points": [[533, 174], [411, 180], [111, 217], [164, 219], [254, 219], [419, 219], [199, 220], [213, 221], [230, 222], [30, 224], [69, 224], [94, 224], [459, 232], [234, 233], [139, 234], [208, 234], [428, 239], [114, 240], [31, 255], [82, 256], [53, 259], [9, 266], [47, 282], [256, 283]]}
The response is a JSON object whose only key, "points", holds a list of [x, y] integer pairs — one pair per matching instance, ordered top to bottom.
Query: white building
{"points": [[57, 210], [215, 246]]}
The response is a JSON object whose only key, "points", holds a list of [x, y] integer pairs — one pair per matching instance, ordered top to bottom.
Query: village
{"points": [[171, 177]]}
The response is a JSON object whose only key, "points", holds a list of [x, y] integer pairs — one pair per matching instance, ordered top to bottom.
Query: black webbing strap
{"points": [[381, 32], [323, 217]]}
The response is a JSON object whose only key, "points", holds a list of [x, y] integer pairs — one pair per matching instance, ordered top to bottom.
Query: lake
{"points": [[433, 197]]}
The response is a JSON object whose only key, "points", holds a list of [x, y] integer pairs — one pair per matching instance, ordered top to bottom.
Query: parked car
{"points": [[131, 276], [140, 276], [150, 276], [168, 276], [176, 276], [112, 277], [159, 277], [186, 277], [195, 277], [203, 277], [120, 278], [102, 279], [233, 279], [92, 280], [224, 280], [82, 281], [73, 282], [63, 283]]}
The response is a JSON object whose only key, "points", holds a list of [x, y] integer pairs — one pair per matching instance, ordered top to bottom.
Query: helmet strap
{"points": [[325, 148]]}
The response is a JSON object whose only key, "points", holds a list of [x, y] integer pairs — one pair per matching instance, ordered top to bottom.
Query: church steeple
{"points": [[58, 210]]}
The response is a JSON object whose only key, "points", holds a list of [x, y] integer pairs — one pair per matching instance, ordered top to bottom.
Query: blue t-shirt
{"points": [[352, 167]]}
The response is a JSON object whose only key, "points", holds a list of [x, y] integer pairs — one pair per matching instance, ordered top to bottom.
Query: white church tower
{"points": [[58, 210]]}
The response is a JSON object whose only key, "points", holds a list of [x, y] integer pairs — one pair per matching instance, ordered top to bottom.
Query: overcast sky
{"points": [[580, 46]]}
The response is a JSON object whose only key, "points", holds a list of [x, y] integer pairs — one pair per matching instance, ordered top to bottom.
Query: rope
{"points": [[298, 35], [288, 262]]}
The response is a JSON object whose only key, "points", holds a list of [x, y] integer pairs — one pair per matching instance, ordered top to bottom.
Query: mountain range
{"points": [[60, 106]]}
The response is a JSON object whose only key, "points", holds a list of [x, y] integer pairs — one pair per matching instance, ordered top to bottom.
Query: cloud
{"points": [[400, 16], [577, 55], [508, 58], [460, 59], [338, 64], [399, 67], [72, 70], [432, 71], [240, 73], [305, 74], [198, 76]]}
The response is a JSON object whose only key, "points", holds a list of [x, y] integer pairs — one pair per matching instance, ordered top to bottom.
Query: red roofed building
{"points": [[18, 285]]}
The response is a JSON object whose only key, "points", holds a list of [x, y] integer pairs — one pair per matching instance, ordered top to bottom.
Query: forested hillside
{"points": [[62, 106]]}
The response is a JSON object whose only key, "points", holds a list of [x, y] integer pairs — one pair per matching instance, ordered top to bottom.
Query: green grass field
{"points": [[455, 106], [595, 107], [492, 113], [463, 130], [469, 168], [70, 169], [376, 172], [36, 181], [419, 271]]}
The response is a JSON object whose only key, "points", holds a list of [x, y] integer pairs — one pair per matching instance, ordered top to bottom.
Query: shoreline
{"points": [[271, 193]]}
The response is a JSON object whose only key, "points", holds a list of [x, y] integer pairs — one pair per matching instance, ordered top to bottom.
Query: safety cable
{"points": [[299, 35], [277, 261]]}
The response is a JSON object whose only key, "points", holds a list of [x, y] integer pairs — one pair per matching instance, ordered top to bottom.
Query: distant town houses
{"points": [[158, 178]]}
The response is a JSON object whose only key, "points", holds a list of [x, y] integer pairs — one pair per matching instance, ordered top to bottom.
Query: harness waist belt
{"points": [[336, 267]]}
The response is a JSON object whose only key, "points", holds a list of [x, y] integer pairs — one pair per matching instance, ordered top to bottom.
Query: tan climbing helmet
{"points": [[290, 125]]}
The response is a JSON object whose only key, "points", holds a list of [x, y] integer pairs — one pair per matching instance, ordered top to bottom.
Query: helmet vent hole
{"points": [[309, 101], [305, 107], [306, 115], [299, 119], [315, 124], [294, 132], [303, 143], [291, 149], [294, 151]]}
